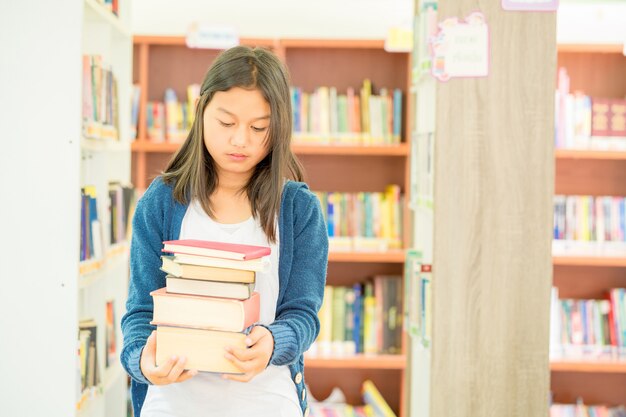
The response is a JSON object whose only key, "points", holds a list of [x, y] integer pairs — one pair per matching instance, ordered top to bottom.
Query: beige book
{"points": [[207, 273], [204, 349]]}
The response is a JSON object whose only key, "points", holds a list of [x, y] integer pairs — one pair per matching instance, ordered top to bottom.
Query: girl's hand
{"points": [[253, 360], [173, 370]]}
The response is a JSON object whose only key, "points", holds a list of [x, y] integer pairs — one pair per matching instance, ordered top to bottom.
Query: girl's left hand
{"points": [[253, 360]]}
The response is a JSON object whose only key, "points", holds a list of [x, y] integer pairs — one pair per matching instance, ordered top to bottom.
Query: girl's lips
{"points": [[237, 156]]}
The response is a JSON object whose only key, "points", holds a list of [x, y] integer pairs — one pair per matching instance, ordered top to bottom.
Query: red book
{"points": [[215, 249], [205, 312]]}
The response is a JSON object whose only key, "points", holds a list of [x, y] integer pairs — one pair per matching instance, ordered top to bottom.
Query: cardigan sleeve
{"points": [[145, 276], [297, 325]]}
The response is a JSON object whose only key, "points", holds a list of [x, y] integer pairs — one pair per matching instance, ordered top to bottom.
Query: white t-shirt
{"points": [[272, 393]]}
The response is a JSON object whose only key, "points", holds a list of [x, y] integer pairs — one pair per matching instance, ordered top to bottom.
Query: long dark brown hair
{"points": [[192, 169]]}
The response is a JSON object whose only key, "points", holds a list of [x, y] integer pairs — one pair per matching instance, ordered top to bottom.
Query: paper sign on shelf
{"points": [[531, 5], [211, 37], [399, 39], [461, 48]]}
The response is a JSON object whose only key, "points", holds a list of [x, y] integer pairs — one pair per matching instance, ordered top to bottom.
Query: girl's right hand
{"points": [[173, 370]]}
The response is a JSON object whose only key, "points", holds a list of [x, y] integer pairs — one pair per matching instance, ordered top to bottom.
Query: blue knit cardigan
{"points": [[302, 275]]}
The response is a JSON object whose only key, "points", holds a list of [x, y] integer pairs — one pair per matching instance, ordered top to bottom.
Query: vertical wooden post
{"points": [[494, 179]]}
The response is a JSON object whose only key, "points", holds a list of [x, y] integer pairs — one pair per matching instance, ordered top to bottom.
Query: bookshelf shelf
{"points": [[96, 11], [608, 48], [597, 71], [104, 145], [391, 150], [589, 154], [396, 256], [599, 261], [102, 268], [357, 362], [613, 367]]}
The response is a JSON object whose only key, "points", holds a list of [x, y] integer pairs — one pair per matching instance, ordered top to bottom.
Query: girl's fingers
{"points": [[244, 354], [243, 366], [164, 369], [177, 369], [187, 375]]}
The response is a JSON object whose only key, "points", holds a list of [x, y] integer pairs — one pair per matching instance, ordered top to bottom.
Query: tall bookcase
{"points": [[161, 62], [598, 71], [104, 161], [47, 289]]}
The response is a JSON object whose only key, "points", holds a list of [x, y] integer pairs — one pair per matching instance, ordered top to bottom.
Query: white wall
{"points": [[367, 19], [578, 21], [40, 107]]}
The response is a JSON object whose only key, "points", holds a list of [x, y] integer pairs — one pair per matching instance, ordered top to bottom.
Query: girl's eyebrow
{"points": [[233, 115]]}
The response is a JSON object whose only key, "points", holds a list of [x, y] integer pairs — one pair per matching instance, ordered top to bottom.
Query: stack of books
{"points": [[208, 301]]}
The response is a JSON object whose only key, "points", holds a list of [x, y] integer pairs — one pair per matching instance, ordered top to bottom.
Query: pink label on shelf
{"points": [[461, 48]]}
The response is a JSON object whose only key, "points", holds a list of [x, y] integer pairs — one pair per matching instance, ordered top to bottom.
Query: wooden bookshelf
{"points": [[161, 62], [598, 71], [391, 150], [602, 155], [357, 362], [606, 367]]}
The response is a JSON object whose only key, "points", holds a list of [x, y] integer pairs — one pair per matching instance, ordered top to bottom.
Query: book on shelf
{"points": [[100, 111], [134, 111], [327, 116], [171, 120], [584, 121], [122, 199], [363, 221], [589, 225], [91, 239], [215, 249], [202, 272], [236, 290], [205, 311], [198, 315], [363, 318], [589, 329], [110, 341], [203, 348], [88, 354], [373, 398], [335, 404], [582, 410]]}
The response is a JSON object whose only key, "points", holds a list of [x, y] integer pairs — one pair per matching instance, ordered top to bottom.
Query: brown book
{"points": [[608, 117], [202, 272], [234, 290], [205, 312], [204, 349]]}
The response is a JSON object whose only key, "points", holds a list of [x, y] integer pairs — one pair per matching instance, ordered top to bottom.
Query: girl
{"points": [[235, 180]]}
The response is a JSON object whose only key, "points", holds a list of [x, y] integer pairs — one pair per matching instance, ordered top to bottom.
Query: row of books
{"points": [[111, 5], [100, 112], [355, 118], [170, 120], [582, 121], [121, 202], [364, 215], [590, 218], [208, 301], [364, 318], [585, 328], [89, 374], [374, 404], [582, 410]]}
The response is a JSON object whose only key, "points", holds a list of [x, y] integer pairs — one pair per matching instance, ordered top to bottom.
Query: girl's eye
{"points": [[225, 124], [259, 129]]}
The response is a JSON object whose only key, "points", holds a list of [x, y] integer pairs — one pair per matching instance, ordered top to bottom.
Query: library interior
{"points": [[465, 162]]}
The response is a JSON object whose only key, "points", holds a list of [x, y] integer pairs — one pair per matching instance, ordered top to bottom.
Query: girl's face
{"points": [[236, 124]]}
